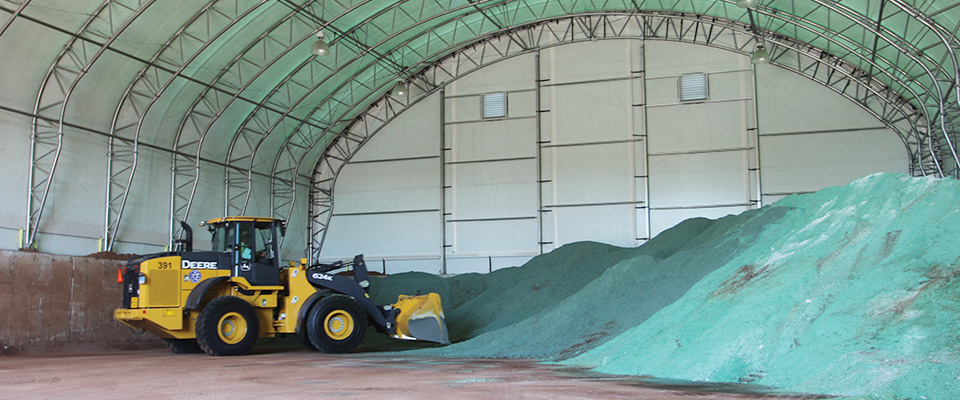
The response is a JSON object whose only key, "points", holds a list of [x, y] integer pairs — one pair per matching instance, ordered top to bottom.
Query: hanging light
{"points": [[746, 3], [320, 47], [760, 55], [399, 90]]}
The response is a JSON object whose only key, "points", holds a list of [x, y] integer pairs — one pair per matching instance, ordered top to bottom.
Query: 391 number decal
{"points": [[164, 265]]}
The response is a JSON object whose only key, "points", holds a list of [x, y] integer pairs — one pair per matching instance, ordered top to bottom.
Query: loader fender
{"points": [[349, 287], [193, 300], [305, 308]]}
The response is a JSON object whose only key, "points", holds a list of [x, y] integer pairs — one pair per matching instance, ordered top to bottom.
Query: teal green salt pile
{"points": [[847, 291], [853, 292]]}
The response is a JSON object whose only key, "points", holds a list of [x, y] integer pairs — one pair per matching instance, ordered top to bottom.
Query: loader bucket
{"points": [[420, 318]]}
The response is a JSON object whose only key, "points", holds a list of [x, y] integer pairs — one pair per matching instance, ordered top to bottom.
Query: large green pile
{"points": [[847, 291]]}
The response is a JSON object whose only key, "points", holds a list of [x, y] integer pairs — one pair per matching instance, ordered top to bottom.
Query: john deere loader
{"points": [[221, 301]]}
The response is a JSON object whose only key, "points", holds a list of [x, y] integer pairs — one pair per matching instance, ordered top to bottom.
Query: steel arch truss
{"points": [[202, 30], [896, 58], [73, 63], [242, 72], [836, 74]]}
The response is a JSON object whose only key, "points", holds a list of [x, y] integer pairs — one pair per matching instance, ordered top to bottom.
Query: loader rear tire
{"points": [[336, 324], [227, 326], [182, 346]]}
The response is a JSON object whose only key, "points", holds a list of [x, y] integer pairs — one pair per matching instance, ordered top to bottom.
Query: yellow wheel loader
{"points": [[221, 301]]}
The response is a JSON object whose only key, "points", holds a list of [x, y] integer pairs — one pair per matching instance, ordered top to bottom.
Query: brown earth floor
{"points": [[297, 373]]}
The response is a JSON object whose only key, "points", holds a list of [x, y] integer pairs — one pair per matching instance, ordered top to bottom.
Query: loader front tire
{"points": [[336, 324], [227, 326], [182, 346]]}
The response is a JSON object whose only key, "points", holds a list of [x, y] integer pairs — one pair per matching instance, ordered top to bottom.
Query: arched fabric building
{"points": [[454, 135]]}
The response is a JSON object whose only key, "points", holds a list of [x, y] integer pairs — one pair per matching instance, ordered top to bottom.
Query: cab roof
{"points": [[241, 219]]}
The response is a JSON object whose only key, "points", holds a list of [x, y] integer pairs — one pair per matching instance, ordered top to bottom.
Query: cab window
{"points": [[222, 237], [245, 237], [264, 242]]}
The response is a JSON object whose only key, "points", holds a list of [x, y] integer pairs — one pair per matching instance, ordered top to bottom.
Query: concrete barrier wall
{"points": [[54, 302]]}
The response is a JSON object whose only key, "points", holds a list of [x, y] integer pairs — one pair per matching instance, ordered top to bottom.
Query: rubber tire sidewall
{"points": [[317, 315], [208, 336], [304, 339], [182, 346]]}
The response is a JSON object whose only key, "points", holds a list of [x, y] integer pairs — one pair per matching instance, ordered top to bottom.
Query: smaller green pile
{"points": [[567, 301]]}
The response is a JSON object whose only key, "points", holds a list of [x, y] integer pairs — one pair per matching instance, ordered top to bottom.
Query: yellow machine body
{"points": [[165, 294], [160, 307], [420, 318]]}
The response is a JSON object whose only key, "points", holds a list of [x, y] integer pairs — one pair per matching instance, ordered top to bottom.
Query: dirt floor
{"points": [[297, 373]]}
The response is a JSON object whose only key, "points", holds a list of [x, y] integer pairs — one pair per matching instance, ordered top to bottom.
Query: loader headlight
{"points": [[142, 278]]}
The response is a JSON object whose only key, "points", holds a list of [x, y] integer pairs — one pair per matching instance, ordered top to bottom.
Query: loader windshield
{"points": [[222, 237]]}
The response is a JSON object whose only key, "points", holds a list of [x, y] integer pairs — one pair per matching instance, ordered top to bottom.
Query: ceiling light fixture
{"points": [[746, 3], [320, 47], [760, 55], [399, 90]]}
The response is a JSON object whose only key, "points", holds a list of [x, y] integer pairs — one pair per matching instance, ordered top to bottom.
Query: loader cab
{"points": [[252, 245]]}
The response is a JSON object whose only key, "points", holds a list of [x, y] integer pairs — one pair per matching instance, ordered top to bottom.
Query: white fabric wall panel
{"points": [[22, 39], [672, 58], [566, 63], [517, 73], [731, 85], [662, 91], [95, 97], [522, 104], [785, 105], [463, 109], [584, 113], [164, 118], [700, 126], [220, 133], [414, 133], [591, 137], [492, 140], [807, 145], [15, 153], [617, 157], [800, 163], [640, 169], [592, 174], [705, 179], [388, 186], [77, 187], [210, 189], [504, 189], [259, 197], [387, 199], [147, 213], [613, 224], [378, 236], [483, 238], [294, 245]]}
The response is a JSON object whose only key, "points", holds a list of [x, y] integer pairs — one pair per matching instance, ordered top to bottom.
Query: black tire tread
{"points": [[317, 314], [209, 339], [182, 346]]}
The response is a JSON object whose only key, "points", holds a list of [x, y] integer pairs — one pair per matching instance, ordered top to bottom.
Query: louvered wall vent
{"points": [[693, 87], [495, 105]]}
